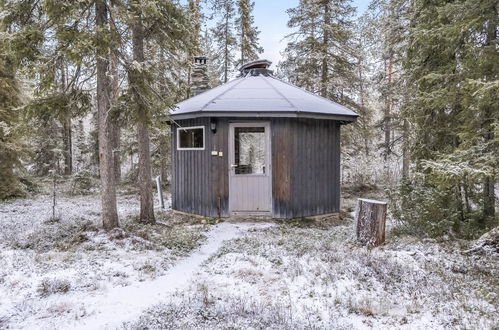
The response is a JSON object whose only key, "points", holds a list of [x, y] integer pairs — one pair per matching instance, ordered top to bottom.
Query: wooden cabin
{"points": [[256, 146]]}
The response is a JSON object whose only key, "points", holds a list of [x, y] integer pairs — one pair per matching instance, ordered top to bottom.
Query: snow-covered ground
{"points": [[49, 269], [181, 274], [289, 277]]}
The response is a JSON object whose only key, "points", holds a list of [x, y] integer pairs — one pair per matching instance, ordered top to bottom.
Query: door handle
{"points": [[233, 165]]}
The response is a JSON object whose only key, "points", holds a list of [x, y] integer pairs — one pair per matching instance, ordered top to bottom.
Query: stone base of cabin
{"points": [[192, 215], [329, 217]]}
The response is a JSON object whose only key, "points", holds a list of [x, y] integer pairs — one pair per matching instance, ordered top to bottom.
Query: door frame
{"points": [[231, 160]]}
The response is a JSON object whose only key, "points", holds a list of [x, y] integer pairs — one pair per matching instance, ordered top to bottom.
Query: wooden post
{"points": [[160, 192], [370, 218]]}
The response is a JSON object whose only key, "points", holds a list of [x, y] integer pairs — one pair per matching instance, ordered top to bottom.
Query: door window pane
{"points": [[249, 150]]}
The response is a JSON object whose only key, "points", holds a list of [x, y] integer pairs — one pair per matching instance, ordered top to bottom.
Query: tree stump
{"points": [[370, 218]]}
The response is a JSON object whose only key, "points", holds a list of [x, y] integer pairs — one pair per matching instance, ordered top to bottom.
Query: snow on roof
{"points": [[261, 96]]}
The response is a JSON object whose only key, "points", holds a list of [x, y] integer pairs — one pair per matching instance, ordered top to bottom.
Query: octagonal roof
{"points": [[257, 94]]}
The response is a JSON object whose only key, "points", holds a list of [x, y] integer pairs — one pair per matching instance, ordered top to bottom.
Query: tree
{"points": [[196, 17], [388, 21], [394, 28], [247, 33], [224, 36], [160, 38], [209, 50], [321, 53], [452, 66], [136, 86], [115, 90], [10, 137], [106, 162]]}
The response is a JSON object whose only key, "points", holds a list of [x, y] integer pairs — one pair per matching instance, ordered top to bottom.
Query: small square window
{"points": [[190, 138]]}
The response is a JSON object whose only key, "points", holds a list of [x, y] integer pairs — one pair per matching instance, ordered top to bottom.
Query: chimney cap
{"points": [[200, 59]]}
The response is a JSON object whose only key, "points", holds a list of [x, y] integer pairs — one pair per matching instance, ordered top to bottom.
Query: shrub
{"points": [[81, 183], [424, 209], [50, 286]]}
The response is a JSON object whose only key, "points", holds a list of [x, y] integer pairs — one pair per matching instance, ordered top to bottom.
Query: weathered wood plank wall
{"points": [[306, 165], [305, 168]]}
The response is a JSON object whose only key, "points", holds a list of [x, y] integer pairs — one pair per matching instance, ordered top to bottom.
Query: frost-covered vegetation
{"points": [[84, 88], [45, 259], [60, 272], [314, 276]]}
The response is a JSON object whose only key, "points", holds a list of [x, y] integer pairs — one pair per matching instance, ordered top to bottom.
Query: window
{"points": [[190, 138], [249, 145]]}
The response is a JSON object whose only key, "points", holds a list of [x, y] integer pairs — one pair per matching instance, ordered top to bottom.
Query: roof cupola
{"points": [[256, 68]]}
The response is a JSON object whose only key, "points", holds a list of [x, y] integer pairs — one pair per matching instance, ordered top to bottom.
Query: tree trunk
{"points": [[242, 43], [226, 50], [325, 50], [360, 67], [115, 89], [388, 109], [66, 128], [115, 129], [68, 146], [405, 150], [164, 151], [106, 163], [145, 178], [489, 197], [370, 218]]}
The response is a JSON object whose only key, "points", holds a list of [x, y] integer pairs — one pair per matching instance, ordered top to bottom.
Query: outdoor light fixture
{"points": [[213, 125]]}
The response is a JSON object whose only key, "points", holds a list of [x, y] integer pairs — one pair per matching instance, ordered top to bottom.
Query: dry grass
{"points": [[313, 276]]}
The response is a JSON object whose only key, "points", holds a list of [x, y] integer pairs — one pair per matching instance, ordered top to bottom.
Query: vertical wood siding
{"points": [[305, 168], [200, 180]]}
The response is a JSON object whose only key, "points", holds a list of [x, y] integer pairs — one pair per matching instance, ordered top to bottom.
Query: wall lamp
{"points": [[213, 125]]}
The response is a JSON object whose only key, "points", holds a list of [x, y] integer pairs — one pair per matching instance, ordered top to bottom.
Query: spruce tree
{"points": [[196, 18], [389, 25], [160, 33], [247, 33], [224, 37], [209, 50], [321, 55], [452, 66], [139, 95], [10, 132], [106, 162]]}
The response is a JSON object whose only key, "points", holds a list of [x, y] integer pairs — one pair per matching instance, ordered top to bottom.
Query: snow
{"points": [[261, 94], [74, 253], [70, 274], [284, 277], [126, 303]]}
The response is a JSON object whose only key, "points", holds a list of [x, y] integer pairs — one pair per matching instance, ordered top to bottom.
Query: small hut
{"points": [[256, 146]]}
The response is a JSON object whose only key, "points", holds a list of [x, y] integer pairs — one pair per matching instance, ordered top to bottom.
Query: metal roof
{"points": [[260, 96]]}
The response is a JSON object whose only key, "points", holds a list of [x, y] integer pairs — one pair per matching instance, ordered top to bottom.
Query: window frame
{"points": [[188, 128]]}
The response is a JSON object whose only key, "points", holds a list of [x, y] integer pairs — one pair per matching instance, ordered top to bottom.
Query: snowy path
{"points": [[122, 304]]}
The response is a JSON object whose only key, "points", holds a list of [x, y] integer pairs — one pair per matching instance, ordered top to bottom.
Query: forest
{"points": [[86, 90]]}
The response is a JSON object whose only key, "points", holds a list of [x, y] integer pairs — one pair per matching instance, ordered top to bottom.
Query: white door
{"points": [[250, 181]]}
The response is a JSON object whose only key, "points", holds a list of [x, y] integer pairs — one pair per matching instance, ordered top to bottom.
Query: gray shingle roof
{"points": [[260, 96]]}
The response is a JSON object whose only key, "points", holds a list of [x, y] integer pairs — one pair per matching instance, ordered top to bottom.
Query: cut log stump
{"points": [[370, 219]]}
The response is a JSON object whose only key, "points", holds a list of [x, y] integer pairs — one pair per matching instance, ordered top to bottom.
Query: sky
{"points": [[271, 19]]}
